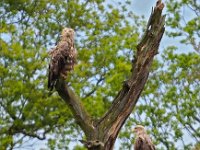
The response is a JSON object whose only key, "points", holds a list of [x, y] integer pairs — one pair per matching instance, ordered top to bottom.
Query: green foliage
{"points": [[184, 20], [28, 30], [106, 37], [79, 148]]}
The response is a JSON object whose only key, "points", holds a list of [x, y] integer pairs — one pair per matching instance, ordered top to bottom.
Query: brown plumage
{"points": [[63, 57], [143, 141]]}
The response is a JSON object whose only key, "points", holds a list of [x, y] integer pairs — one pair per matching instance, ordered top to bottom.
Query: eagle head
{"points": [[67, 32], [139, 129]]}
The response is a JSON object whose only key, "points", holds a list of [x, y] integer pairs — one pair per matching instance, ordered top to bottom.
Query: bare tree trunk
{"points": [[102, 134]]}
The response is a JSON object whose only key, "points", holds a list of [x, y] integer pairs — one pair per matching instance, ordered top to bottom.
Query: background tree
{"points": [[29, 28]]}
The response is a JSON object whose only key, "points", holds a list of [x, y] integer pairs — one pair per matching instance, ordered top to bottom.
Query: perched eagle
{"points": [[63, 57], [143, 141]]}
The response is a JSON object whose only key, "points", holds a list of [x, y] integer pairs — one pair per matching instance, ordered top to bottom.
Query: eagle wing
{"points": [[55, 66]]}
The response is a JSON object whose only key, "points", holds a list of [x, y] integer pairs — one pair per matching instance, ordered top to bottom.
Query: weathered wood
{"points": [[81, 116], [101, 135]]}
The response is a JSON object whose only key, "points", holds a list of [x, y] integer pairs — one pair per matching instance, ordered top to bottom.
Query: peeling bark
{"points": [[101, 134]]}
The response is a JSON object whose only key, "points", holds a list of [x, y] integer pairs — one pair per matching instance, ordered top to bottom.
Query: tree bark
{"points": [[102, 134]]}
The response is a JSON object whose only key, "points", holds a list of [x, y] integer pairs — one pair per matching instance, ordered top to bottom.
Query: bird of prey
{"points": [[63, 57], [143, 141]]}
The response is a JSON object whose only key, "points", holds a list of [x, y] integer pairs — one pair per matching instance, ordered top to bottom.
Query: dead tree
{"points": [[102, 134]]}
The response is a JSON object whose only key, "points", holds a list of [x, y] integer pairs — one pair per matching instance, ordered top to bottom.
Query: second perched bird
{"points": [[143, 141]]}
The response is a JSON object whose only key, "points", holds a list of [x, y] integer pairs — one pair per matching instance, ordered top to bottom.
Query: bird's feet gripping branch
{"points": [[63, 57]]}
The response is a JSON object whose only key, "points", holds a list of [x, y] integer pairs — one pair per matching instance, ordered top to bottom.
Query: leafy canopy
{"points": [[106, 35]]}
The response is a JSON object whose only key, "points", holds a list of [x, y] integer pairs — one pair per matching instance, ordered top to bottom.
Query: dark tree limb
{"points": [[81, 116], [101, 135]]}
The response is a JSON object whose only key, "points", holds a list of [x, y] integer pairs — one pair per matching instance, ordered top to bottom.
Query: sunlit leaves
{"points": [[184, 17], [106, 38]]}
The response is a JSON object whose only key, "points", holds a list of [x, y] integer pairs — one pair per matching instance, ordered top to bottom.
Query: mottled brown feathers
{"points": [[63, 57], [143, 141]]}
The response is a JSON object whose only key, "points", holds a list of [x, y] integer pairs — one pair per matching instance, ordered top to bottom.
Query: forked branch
{"points": [[101, 135]]}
